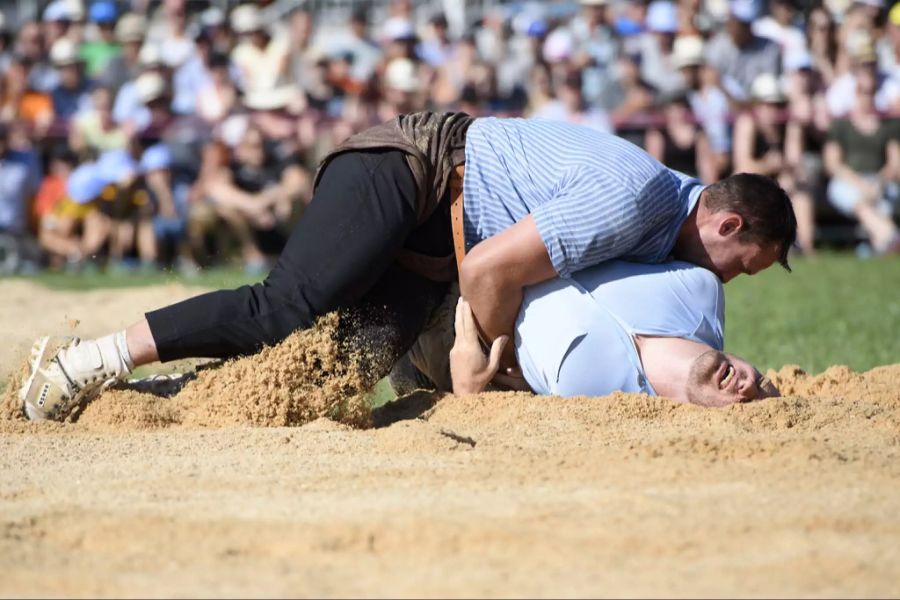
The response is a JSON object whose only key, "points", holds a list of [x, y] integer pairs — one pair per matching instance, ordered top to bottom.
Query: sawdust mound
{"points": [[309, 375]]}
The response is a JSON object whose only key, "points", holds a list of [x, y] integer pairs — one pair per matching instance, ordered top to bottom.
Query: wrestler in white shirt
{"points": [[651, 328]]}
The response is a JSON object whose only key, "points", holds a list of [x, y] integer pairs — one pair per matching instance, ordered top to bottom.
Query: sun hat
{"points": [[744, 11], [246, 19], [132, 27], [687, 51], [64, 52], [400, 74], [149, 87], [767, 88]]}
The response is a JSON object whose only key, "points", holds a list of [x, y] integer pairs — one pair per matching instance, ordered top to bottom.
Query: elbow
{"points": [[474, 271]]}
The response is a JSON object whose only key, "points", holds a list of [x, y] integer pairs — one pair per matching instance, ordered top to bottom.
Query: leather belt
{"points": [[456, 214]]}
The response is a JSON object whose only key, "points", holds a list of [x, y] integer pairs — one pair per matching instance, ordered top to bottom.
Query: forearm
{"points": [[495, 304]]}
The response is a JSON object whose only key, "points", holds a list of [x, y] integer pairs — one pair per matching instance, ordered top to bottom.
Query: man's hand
{"points": [[494, 273], [470, 369]]}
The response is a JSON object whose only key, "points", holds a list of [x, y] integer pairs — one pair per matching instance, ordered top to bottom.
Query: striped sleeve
{"points": [[590, 219]]}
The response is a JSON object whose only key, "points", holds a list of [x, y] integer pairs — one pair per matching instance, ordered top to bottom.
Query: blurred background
{"points": [[143, 135]]}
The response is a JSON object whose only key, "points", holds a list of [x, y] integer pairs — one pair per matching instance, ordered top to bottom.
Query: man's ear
{"points": [[731, 223]]}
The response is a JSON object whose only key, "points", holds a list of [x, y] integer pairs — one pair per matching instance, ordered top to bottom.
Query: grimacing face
{"points": [[719, 379]]}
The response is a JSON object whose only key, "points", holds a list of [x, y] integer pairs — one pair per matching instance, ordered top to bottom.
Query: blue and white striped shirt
{"points": [[593, 196]]}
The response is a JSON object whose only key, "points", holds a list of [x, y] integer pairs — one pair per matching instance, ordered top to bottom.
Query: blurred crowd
{"points": [[144, 135]]}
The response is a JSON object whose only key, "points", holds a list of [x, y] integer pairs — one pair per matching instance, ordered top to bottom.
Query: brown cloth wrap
{"points": [[434, 144]]}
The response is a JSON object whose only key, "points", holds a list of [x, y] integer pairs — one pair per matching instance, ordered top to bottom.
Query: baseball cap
{"points": [[57, 11], [744, 11], [102, 12], [662, 17]]}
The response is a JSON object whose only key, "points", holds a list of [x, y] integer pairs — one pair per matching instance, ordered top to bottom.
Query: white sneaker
{"points": [[63, 373]]}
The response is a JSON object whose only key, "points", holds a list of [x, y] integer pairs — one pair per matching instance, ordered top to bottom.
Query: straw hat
{"points": [[131, 28]]}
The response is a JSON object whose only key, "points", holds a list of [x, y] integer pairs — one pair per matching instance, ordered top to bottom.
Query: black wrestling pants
{"points": [[340, 255]]}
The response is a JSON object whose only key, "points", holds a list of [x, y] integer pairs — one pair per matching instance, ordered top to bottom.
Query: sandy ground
{"points": [[492, 495]]}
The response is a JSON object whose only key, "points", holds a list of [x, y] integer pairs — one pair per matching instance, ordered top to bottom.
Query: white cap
{"points": [[57, 10], [744, 11], [212, 17], [662, 17], [246, 19], [398, 29], [558, 46], [687, 51], [64, 52], [401, 74], [149, 87], [767, 88]]}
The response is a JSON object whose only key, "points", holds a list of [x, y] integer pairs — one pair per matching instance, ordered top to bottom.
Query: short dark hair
{"points": [[765, 207]]}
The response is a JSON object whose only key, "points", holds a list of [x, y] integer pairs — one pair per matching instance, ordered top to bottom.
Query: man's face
{"points": [[722, 250], [719, 379]]}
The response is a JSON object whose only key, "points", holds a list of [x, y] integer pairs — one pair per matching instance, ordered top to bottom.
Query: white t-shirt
{"points": [[575, 336]]}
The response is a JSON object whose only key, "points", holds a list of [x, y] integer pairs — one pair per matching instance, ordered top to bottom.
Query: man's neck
{"points": [[667, 363]]}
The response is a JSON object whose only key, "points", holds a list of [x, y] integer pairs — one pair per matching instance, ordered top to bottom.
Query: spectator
{"points": [[57, 18], [782, 27], [169, 33], [822, 40], [657, 43], [31, 48], [437, 48], [597, 49], [363, 50], [97, 52], [739, 55], [261, 59], [125, 65], [72, 91], [841, 95], [218, 97], [21, 103], [709, 104], [571, 107], [128, 109], [94, 131], [759, 131], [806, 131], [680, 142], [862, 155], [19, 180], [254, 198], [128, 210], [71, 230]]}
